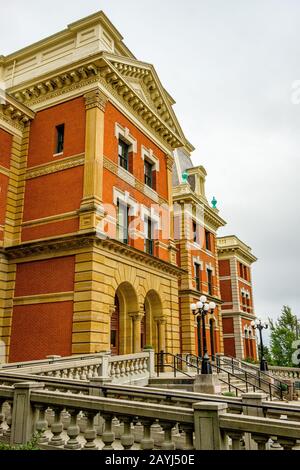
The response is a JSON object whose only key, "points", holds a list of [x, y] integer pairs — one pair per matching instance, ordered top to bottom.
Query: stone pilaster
{"points": [[16, 188], [91, 211], [172, 245], [7, 285], [91, 319], [161, 325], [238, 336]]}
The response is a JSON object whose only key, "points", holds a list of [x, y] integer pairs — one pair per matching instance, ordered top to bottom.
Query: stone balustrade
{"points": [[131, 368], [127, 369], [285, 372], [69, 421]]}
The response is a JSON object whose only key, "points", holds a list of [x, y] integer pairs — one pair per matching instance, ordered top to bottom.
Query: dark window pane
{"points": [[60, 135], [123, 151], [148, 168], [122, 222], [195, 232], [207, 240], [149, 242], [198, 276], [209, 281]]}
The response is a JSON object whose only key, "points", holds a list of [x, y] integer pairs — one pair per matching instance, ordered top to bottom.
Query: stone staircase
{"points": [[167, 380]]}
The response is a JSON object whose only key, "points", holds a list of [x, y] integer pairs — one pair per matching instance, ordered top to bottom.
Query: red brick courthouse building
{"points": [[106, 234]]}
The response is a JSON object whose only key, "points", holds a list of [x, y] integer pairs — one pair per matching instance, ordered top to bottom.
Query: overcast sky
{"points": [[230, 65]]}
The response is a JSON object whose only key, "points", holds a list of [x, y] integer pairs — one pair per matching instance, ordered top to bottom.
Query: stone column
{"points": [[91, 210], [172, 245], [136, 318], [161, 324], [253, 398], [23, 414], [208, 435]]}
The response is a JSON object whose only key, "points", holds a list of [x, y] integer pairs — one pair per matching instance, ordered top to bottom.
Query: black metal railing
{"points": [[175, 362], [262, 378]]}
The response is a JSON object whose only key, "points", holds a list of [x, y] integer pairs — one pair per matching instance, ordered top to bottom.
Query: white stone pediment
{"points": [[144, 81]]}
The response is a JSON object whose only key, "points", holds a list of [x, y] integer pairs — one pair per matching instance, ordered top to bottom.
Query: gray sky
{"points": [[230, 66]]}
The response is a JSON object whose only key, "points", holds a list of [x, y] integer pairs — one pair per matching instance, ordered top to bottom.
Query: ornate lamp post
{"points": [[200, 310], [259, 325]]}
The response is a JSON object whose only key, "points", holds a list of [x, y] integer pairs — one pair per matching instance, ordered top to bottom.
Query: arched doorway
{"points": [[125, 321], [154, 321]]}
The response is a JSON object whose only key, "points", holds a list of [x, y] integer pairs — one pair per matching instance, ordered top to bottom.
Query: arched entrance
{"points": [[125, 321], [154, 322]]}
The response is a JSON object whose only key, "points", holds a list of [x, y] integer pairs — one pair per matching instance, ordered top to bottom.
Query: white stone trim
{"points": [[126, 136], [149, 155], [126, 176], [151, 193], [126, 199], [150, 213], [196, 259], [210, 266]]}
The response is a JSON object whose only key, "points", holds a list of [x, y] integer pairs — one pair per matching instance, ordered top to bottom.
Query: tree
{"points": [[283, 332]]}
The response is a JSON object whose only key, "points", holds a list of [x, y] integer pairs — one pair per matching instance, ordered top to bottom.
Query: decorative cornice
{"points": [[101, 70], [59, 83], [95, 99], [13, 113], [170, 162], [53, 167], [183, 194], [75, 242], [232, 245], [137, 255]]}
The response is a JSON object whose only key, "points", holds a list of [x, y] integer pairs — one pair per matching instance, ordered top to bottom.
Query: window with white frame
{"points": [[127, 146]]}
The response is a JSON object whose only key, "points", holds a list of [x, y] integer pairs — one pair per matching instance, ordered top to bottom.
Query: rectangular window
{"points": [[60, 135], [123, 152], [148, 169], [122, 222], [195, 232], [207, 240], [149, 242], [197, 268], [241, 270], [209, 281]]}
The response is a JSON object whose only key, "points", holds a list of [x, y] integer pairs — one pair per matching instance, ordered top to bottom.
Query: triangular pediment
{"points": [[144, 81]]}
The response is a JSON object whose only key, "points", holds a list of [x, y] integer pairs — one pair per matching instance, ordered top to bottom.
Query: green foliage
{"points": [[283, 333], [148, 346], [250, 360], [284, 387], [228, 394], [31, 445]]}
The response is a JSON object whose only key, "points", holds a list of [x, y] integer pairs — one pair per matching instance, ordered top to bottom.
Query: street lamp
{"points": [[200, 310], [259, 325]]}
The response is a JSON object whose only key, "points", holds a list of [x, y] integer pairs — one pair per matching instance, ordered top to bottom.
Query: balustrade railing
{"points": [[131, 368], [68, 421]]}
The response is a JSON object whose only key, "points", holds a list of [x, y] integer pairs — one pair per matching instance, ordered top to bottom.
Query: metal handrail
{"points": [[160, 365], [247, 375], [278, 388]]}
